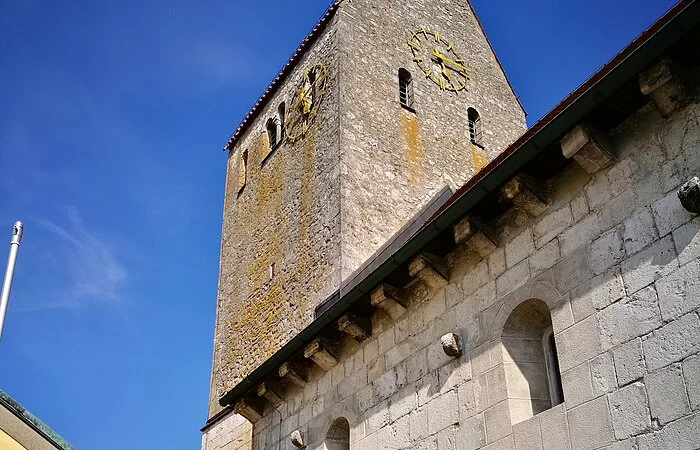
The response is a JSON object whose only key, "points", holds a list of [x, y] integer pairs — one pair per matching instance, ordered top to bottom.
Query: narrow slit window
{"points": [[311, 80], [406, 89], [281, 110], [475, 130], [272, 133], [242, 170]]}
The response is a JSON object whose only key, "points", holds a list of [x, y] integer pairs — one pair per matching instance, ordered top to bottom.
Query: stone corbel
{"points": [[663, 83], [590, 148], [525, 193], [689, 195], [476, 235], [429, 269], [390, 300], [358, 328], [451, 345], [323, 353], [295, 373], [269, 392], [250, 408]]}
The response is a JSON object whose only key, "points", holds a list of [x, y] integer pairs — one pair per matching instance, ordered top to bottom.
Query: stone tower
{"points": [[383, 105]]}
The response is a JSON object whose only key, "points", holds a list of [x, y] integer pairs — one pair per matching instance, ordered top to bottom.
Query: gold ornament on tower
{"points": [[439, 60], [305, 102]]}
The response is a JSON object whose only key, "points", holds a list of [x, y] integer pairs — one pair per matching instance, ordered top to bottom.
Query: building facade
{"points": [[551, 301]]}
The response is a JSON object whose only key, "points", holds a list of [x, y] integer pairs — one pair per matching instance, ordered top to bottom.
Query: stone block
{"points": [[590, 148], [598, 192], [689, 195], [579, 207], [617, 210], [669, 214], [552, 225], [463, 231], [640, 231], [580, 234], [687, 240], [520, 248], [606, 251], [545, 257], [497, 262], [649, 265], [572, 271], [476, 277], [513, 278], [679, 292], [597, 294], [562, 316], [629, 318], [673, 342], [578, 344], [629, 362], [454, 374], [691, 374], [603, 379], [577, 386], [668, 399], [467, 400], [402, 404], [443, 411], [630, 411], [377, 417], [498, 422], [418, 424], [590, 425], [556, 429], [400, 434], [471, 434], [683, 434], [527, 435], [447, 439]]}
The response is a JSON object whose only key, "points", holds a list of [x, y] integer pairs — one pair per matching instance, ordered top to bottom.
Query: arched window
{"points": [[405, 89], [281, 110], [475, 132], [272, 133], [530, 361], [338, 436]]}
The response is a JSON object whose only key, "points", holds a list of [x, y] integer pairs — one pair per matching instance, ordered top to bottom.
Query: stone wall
{"points": [[395, 160], [310, 212], [286, 218], [616, 260]]}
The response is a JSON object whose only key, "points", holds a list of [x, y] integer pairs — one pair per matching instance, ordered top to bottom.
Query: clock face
{"points": [[439, 60], [305, 102]]}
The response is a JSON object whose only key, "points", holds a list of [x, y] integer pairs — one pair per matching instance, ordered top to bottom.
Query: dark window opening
{"points": [[406, 97], [281, 118], [475, 130], [272, 133]]}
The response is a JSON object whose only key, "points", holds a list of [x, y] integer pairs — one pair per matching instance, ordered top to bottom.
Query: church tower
{"points": [[383, 105]]}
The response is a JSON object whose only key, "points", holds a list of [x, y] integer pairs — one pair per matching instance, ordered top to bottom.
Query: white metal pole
{"points": [[9, 272]]}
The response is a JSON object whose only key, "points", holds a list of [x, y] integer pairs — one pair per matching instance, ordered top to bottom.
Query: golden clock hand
{"points": [[449, 60]]}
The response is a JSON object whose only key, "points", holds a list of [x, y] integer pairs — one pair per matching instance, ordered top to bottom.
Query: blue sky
{"points": [[112, 119]]}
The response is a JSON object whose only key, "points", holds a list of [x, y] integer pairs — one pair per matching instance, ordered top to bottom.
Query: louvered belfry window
{"points": [[405, 89], [475, 131]]}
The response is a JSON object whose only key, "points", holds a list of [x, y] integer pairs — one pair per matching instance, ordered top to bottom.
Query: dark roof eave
{"points": [[640, 53]]}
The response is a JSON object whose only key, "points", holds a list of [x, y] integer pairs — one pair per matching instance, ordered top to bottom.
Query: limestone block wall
{"points": [[394, 160], [280, 249], [615, 259], [231, 433]]}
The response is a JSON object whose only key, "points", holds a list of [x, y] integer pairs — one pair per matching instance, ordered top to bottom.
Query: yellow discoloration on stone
{"points": [[411, 132], [479, 158]]}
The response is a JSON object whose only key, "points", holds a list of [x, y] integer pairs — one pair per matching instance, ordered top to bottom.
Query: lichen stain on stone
{"points": [[411, 131], [479, 158]]}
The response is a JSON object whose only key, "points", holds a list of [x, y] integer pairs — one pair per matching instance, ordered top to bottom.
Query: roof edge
{"points": [[305, 44], [34, 422]]}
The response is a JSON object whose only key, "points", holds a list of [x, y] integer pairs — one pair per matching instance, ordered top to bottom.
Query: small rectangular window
{"points": [[405, 89]]}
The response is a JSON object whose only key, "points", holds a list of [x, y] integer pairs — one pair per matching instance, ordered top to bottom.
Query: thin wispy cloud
{"points": [[78, 268]]}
